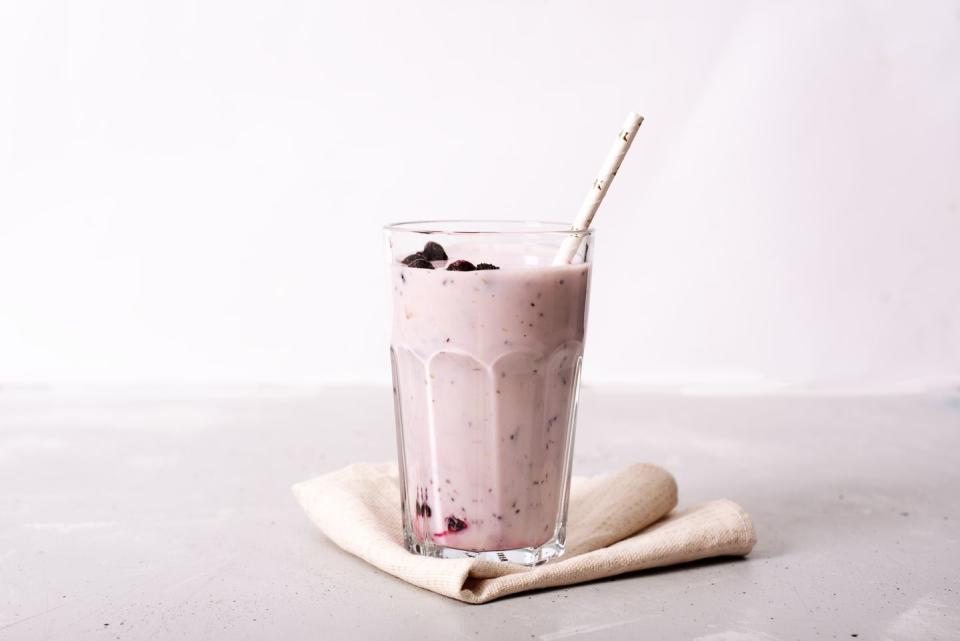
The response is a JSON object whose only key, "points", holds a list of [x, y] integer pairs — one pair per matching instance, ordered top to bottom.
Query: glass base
{"points": [[549, 551]]}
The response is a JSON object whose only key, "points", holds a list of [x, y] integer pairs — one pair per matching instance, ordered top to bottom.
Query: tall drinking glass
{"points": [[486, 372]]}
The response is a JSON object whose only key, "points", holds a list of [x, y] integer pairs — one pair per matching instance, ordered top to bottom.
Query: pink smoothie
{"points": [[486, 367]]}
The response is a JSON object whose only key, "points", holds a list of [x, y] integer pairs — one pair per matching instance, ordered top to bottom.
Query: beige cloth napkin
{"points": [[616, 525]]}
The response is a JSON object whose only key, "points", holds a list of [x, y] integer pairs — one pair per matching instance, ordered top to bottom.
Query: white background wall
{"points": [[192, 191]]}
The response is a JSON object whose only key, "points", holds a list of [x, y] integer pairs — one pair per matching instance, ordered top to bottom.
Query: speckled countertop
{"points": [[166, 514]]}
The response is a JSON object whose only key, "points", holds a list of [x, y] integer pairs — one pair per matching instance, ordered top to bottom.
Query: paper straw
{"points": [[599, 188]]}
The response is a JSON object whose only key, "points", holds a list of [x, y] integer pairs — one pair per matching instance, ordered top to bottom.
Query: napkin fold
{"points": [[618, 523]]}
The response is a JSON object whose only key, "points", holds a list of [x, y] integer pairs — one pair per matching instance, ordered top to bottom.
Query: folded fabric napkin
{"points": [[616, 525]]}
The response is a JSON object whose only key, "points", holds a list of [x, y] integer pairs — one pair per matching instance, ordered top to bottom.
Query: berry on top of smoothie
{"points": [[434, 251], [412, 257], [461, 266]]}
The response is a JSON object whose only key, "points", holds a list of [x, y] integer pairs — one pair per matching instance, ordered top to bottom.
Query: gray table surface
{"points": [[166, 514]]}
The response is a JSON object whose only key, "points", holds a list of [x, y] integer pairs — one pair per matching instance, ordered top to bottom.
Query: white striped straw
{"points": [[599, 188]]}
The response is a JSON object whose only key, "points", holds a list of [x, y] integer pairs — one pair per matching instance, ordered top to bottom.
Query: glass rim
{"points": [[496, 227]]}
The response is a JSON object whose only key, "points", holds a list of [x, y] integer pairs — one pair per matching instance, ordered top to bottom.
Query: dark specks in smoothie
{"points": [[403, 278], [560, 281], [539, 294], [533, 304], [541, 314], [448, 339], [535, 371], [503, 374], [446, 481], [517, 511], [454, 524]]}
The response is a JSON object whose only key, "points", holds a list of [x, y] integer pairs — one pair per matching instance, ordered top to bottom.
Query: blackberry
{"points": [[434, 251], [461, 266], [454, 524]]}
